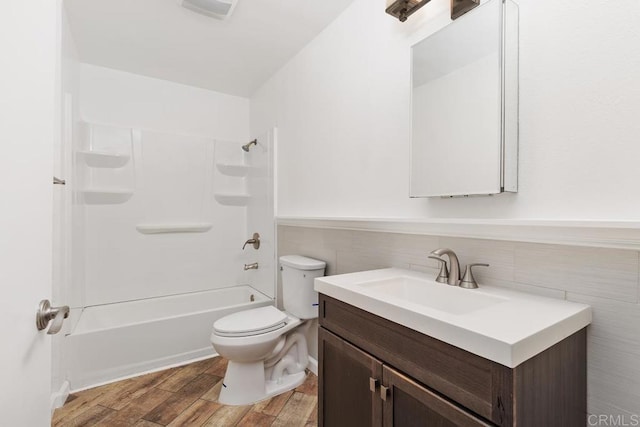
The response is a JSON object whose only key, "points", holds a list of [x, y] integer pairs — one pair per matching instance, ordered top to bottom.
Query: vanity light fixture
{"points": [[460, 7], [402, 9]]}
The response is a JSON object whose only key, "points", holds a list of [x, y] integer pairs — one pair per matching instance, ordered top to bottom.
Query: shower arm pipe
{"points": [[246, 147]]}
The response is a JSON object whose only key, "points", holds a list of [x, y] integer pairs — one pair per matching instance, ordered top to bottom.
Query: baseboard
{"points": [[313, 365], [59, 397]]}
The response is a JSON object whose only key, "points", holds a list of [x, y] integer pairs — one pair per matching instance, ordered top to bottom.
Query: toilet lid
{"points": [[250, 322]]}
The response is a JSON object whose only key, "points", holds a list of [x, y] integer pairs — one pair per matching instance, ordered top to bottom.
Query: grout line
{"points": [[638, 278], [588, 296]]}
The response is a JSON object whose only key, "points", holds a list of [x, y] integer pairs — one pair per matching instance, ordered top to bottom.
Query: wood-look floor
{"points": [[184, 396]]}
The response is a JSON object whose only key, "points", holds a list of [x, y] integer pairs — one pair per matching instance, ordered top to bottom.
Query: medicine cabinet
{"points": [[464, 127]]}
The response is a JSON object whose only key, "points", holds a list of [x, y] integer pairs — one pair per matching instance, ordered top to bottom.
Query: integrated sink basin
{"points": [[432, 294], [496, 323]]}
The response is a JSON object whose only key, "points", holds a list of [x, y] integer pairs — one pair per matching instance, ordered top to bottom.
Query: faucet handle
{"points": [[255, 241], [443, 275], [468, 281]]}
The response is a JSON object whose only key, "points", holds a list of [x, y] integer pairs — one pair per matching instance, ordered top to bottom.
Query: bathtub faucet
{"points": [[254, 241], [253, 266]]}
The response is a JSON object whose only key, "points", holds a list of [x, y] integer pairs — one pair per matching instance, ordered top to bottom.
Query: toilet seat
{"points": [[246, 323]]}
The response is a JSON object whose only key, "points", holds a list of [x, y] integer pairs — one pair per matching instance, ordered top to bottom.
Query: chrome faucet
{"points": [[454, 266]]}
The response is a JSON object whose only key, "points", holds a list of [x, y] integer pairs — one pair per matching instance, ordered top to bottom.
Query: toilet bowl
{"points": [[266, 347]]}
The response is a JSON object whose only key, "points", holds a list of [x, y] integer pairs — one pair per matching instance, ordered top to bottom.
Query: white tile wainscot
{"points": [[591, 262]]}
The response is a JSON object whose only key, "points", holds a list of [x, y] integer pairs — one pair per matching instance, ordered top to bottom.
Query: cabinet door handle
{"points": [[373, 384], [384, 392]]}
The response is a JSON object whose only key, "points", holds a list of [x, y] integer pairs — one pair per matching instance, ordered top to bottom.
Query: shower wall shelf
{"points": [[103, 159], [233, 170], [106, 196], [232, 199], [202, 227]]}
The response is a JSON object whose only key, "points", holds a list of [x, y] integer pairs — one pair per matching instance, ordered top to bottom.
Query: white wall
{"points": [[131, 100], [342, 109], [171, 175]]}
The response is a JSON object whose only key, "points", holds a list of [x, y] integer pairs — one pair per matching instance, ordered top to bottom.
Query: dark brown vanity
{"points": [[374, 372]]}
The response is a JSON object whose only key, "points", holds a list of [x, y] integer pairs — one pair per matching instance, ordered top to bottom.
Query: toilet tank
{"points": [[298, 296]]}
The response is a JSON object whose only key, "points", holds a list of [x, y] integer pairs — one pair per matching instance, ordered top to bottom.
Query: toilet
{"points": [[267, 347]]}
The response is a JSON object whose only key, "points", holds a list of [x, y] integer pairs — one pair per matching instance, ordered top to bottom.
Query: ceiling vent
{"points": [[220, 9]]}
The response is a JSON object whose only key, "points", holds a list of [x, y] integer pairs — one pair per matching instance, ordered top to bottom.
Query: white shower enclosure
{"points": [[158, 221]]}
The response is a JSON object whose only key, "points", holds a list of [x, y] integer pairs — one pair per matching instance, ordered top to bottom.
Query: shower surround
{"points": [[157, 254], [164, 262]]}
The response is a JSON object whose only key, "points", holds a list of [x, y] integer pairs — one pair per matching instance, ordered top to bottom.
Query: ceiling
{"points": [[159, 38]]}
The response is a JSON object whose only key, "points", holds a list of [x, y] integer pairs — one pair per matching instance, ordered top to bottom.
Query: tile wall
{"points": [[606, 279]]}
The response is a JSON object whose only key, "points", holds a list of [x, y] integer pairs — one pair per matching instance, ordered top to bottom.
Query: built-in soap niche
{"points": [[105, 164], [231, 171]]}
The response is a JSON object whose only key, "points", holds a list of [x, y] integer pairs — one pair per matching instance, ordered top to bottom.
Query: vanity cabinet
{"points": [[374, 372], [344, 398], [392, 399]]}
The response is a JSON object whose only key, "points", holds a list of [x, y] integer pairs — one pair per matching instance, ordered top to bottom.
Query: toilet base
{"points": [[286, 383], [245, 384]]}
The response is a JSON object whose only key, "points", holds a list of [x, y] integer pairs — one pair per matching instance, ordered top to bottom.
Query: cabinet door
{"points": [[349, 384], [409, 404]]}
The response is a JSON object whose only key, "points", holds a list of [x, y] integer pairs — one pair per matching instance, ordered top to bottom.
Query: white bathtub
{"points": [[115, 341]]}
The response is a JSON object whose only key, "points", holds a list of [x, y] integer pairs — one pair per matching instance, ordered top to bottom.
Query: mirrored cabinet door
{"points": [[464, 105]]}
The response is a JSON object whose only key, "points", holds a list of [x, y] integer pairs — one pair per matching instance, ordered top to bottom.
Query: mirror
{"points": [[464, 132]]}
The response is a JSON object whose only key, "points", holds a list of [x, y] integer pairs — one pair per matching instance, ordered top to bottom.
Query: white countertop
{"points": [[507, 327]]}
